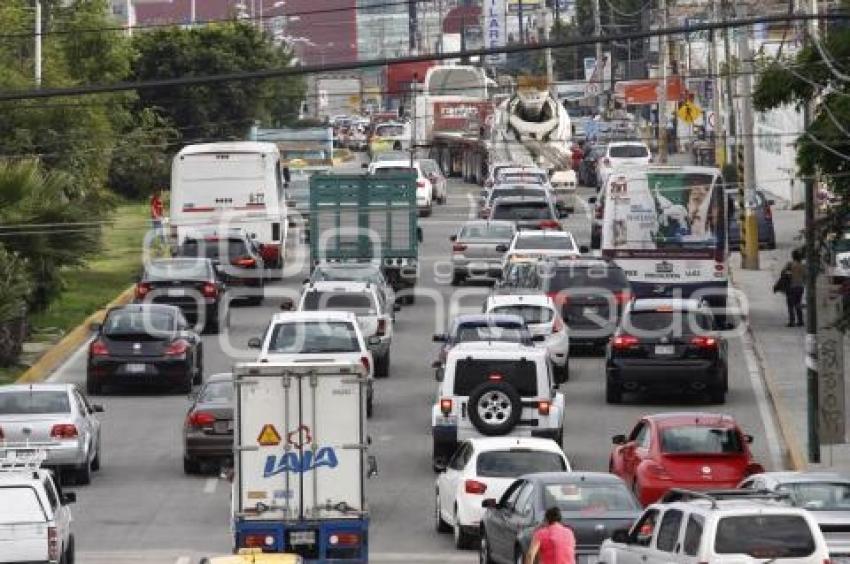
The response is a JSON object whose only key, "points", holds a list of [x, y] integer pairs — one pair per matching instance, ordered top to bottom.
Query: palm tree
{"points": [[49, 221], [14, 290]]}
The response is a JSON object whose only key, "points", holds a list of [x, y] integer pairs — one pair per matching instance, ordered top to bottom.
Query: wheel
{"points": [[458, 278], [213, 325], [563, 372], [198, 377], [93, 387], [185, 387], [613, 393], [717, 395], [494, 408], [369, 409], [95, 463], [191, 466], [82, 476], [439, 523], [462, 538], [484, 550], [70, 554], [519, 557]]}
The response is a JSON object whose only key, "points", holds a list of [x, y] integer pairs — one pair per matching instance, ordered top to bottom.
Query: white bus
{"points": [[236, 185], [665, 226]]}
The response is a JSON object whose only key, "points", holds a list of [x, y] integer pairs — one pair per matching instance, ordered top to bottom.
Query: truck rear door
{"points": [[23, 525]]}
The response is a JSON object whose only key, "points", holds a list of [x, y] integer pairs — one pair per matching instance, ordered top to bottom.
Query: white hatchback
{"points": [[619, 155], [546, 243], [542, 318], [485, 468]]}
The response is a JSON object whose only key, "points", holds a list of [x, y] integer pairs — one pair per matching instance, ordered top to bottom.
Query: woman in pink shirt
{"points": [[553, 543]]}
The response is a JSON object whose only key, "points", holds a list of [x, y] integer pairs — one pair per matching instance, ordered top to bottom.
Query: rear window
{"points": [[389, 130], [629, 151], [390, 170], [522, 178], [516, 192], [522, 210], [485, 231], [547, 243], [214, 249], [178, 269], [347, 274], [593, 277], [356, 303], [530, 313], [128, 322], [668, 322], [510, 333], [314, 338], [471, 373], [217, 392], [33, 402], [701, 439], [516, 462], [819, 496], [589, 498], [20, 505], [764, 536]]}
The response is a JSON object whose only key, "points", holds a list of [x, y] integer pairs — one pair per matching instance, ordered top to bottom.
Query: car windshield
{"points": [[389, 130], [628, 151], [388, 170], [522, 178], [522, 210], [487, 231], [545, 243], [213, 248], [178, 269], [347, 274], [587, 278], [357, 303], [530, 313], [130, 322], [668, 322], [510, 333], [314, 337], [471, 373], [220, 391], [34, 402], [700, 439], [516, 462], [818, 496], [589, 498], [20, 505], [764, 536]]}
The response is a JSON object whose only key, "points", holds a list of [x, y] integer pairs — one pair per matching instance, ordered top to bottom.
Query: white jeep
{"points": [[495, 389]]}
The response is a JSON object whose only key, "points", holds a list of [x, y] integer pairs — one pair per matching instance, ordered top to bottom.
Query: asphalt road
{"points": [[141, 508]]}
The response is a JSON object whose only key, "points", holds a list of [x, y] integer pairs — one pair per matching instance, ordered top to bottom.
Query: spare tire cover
{"points": [[494, 408]]}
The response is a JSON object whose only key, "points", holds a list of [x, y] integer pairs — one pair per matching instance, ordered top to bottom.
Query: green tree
{"points": [[224, 110], [141, 160], [49, 220], [14, 290]]}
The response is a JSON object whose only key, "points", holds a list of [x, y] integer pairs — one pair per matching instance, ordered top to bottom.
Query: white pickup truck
{"points": [[35, 520]]}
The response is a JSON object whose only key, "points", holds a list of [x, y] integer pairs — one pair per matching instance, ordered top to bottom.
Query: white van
{"points": [[239, 184]]}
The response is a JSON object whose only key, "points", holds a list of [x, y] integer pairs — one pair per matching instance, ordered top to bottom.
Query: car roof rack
{"points": [[21, 457], [713, 496]]}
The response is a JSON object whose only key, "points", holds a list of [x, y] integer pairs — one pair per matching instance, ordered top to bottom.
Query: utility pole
{"points": [[521, 21], [412, 25], [597, 31], [37, 43], [550, 70], [662, 91], [716, 92], [730, 93], [413, 123], [750, 239]]}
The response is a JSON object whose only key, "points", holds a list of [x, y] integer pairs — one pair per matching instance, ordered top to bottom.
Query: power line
{"points": [[311, 69]]}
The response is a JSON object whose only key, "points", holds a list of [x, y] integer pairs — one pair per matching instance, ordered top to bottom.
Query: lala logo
{"points": [[300, 462]]}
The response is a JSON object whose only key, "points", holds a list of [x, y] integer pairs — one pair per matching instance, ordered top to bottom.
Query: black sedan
{"points": [[191, 284], [144, 344], [208, 430], [592, 504]]}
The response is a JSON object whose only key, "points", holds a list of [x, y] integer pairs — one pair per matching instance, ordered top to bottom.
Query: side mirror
{"points": [[364, 165], [286, 176], [591, 200], [771, 202], [563, 213], [419, 236], [452, 238], [501, 248], [583, 249], [305, 281], [287, 304], [396, 307], [95, 327], [439, 338], [538, 338], [374, 340], [255, 343], [97, 408], [618, 439], [749, 439], [440, 466], [372, 467], [69, 497], [489, 503], [620, 536]]}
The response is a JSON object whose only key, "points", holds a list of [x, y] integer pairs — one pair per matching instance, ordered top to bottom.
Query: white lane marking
{"points": [[61, 371], [754, 372], [210, 485], [405, 557], [183, 560]]}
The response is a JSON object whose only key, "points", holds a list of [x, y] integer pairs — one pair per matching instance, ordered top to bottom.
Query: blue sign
{"points": [[298, 463]]}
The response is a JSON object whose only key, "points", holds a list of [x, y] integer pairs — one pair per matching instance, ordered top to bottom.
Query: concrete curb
{"points": [[61, 351], [796, 458]]}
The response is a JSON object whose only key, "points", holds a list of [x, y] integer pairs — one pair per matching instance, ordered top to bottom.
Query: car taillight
{"points": [[606, 161], [420, 184], [599, 211], [484, 213], [768, 214], [549, 224], [458, 248], [270, 252], [244, 262], [142, 290], [209, 290], [622, 297], [560, 299], [557, 325], [382, 327], [625, 342], [704, 342], [98, 348], [177, 348], [364, 360], [446, 406], [543, 407], [200, 419], [64, 431], [2, 436], [753, 468], [657, 471], [474, 487], [344, 539], [258, 540], [52, 544]]}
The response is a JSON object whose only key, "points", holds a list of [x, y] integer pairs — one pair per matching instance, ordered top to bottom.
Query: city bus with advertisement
{"points": [[666, 227]]}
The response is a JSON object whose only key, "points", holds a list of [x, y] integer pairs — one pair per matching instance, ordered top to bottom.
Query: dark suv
{"points": [[527, 212], [236, 259], [590, 293]]}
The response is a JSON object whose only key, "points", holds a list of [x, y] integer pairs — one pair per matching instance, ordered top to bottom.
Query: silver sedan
{"points": [[478, 249], [57, 418]]}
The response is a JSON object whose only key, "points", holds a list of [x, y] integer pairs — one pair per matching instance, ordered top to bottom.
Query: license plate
{"points": [[177, 293], [665, 349], [135, 368], [223, 426], [302, 537]]}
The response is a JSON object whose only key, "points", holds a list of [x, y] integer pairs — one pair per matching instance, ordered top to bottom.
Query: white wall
{"points": [[776, 169]]}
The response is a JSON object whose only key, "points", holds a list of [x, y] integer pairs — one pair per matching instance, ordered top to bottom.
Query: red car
{"points": [[697, 451]]}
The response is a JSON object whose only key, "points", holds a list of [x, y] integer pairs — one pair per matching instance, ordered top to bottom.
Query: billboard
{"points": [[495, 34]]}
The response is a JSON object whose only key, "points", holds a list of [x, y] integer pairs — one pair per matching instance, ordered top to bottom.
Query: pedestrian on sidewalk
{"points": [[792, 282], [552, 543]]}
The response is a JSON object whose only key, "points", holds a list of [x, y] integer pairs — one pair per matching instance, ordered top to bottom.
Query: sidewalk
{"points": [[780, 349]]}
